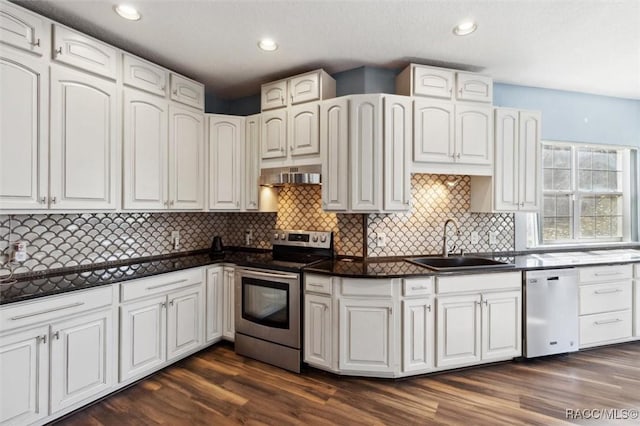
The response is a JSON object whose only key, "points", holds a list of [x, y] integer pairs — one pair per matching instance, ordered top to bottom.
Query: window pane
{"points": [[547, 156], [562, 157], [614, 158], [584, 159], [600, 160], [548, 179], [562, 180], [584, 180], [600, 181], [615, 181], [549, 205], [563, 205], [587, 206], [603, 206], [603, 226], [616, 226], [587, 227], [563, 228], [549, 229]]}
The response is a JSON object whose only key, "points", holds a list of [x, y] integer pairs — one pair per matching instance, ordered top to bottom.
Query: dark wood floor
{"points": [[218, 387]]}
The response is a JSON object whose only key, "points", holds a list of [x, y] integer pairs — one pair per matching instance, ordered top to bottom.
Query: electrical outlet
{"points": [[248, 237], [475, 237], [493, 238], [175, 239], [381, 239]]}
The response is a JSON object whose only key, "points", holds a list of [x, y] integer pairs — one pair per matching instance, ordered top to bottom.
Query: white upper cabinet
{"points": [[23, 30], [78, 50], [144, 75], [434, 82], [312, 86], [474, 87], [187, 91], [274, 95], [304, 131], [433, 131], [274, 134], [474, 134], [226, 137], [334, 138], [83, 141], [145, 153], [397, 153], [24, 160], [252, 163], [507, 165], [530, 166], [187, 172]]}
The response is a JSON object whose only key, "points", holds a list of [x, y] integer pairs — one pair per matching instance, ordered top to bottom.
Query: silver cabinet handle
{"points": [[36, 43], [59, 51], [163, 88], [175, 91], [282, 99], [291, 148], [282, 149], [458, 156], [43, 200], [54, 200], [171, 203], [238, 204], [268, 274], [607, 274], [315, 285], [153, 287], [419, 288], [615, 290], [171, 302], [486, 303], [73, 305], [163, 305], [326, 308], [429, 308], [390, 311], [611, 321], [56, 335], [41, 339]]}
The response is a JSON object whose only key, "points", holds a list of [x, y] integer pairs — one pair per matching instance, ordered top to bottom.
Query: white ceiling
{"points": [[588, 46]]}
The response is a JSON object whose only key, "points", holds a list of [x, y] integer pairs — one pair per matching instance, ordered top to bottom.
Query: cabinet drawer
{"points": [[78, 50], [145, 75], [432, 82], [474, 87], [187, 91], [274, 95], [605, 273], [478, 282], [159, 284], [318, 284], [417, 286], [367, 287], [597, 298], [54, 307], [602, 328]]}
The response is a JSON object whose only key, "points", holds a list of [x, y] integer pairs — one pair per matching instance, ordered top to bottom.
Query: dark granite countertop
{"points": [[78, 278]]}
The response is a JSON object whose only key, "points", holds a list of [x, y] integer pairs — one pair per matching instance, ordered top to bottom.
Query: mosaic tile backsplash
{"points": [[419, 231], [63, 240]]}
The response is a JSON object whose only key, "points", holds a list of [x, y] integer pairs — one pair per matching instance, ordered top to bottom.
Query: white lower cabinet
{"points": [[214, 290], [228, 300], [636, 302], [501, 325], [459, 330], [318, 332], [367, 335], [418, 343]]}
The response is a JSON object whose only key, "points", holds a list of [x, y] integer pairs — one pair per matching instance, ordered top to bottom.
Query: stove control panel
{"points": [[296, 238]]}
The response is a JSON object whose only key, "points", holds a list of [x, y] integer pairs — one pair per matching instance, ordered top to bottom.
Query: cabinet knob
{"points": [[36, 43], [59, 51]]}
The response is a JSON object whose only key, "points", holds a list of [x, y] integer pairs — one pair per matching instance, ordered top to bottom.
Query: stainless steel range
{"points": [[268, 298]]}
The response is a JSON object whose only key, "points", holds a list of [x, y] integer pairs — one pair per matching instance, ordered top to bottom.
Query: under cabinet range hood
{"points": [[303, 175]]}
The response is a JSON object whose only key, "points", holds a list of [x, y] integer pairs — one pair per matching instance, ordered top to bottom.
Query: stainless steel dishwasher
{"points": [[551, 312]]}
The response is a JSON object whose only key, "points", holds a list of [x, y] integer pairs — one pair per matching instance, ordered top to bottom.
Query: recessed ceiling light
{"points": [[127, 12], [465, 27], [268, 45]]}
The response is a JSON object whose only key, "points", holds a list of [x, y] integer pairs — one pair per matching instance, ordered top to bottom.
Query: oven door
{"points": [[267, 305]]}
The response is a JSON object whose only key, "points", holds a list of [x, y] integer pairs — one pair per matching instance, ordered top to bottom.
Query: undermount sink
{"points": [[455, 263]]}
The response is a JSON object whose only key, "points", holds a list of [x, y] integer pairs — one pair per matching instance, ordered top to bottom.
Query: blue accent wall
{"points": [[576, 117]]}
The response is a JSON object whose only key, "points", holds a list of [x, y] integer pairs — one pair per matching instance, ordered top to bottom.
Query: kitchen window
{"points": [[586, 195]]}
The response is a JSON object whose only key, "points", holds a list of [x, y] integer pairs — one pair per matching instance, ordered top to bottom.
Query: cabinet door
{"points": [[24, 30], [81, 51], [145, 75], [433, 82], [474, 87], [304, 88], [187, 91], [274, 95], [304, 130], [23, 131], [433, 131], [146, 134], [274, 134], [474, 134], [226, 135], [334, 138], [83, 139], [365, 152], [397, 153], [186, 159], [529, 162], [252, 163], [506, 169], [228, 300], [213, 304], [636, 305], [184, 321], [501, 325], [143, 328], [318, 330], [458, 330], [367, 335], [418, 343], [82, 351], [24, 368]]}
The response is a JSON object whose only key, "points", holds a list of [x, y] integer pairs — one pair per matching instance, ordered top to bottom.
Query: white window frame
{"points": [[528, 226]]}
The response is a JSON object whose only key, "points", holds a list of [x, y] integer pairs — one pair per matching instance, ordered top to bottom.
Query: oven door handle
{"points": [[268, 274]]}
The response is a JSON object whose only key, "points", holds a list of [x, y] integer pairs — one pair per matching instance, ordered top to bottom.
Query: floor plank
{"points": [[218, 387]]}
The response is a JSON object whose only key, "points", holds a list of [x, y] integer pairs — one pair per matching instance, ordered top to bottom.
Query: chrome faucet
{"points": [[445, 239]]}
